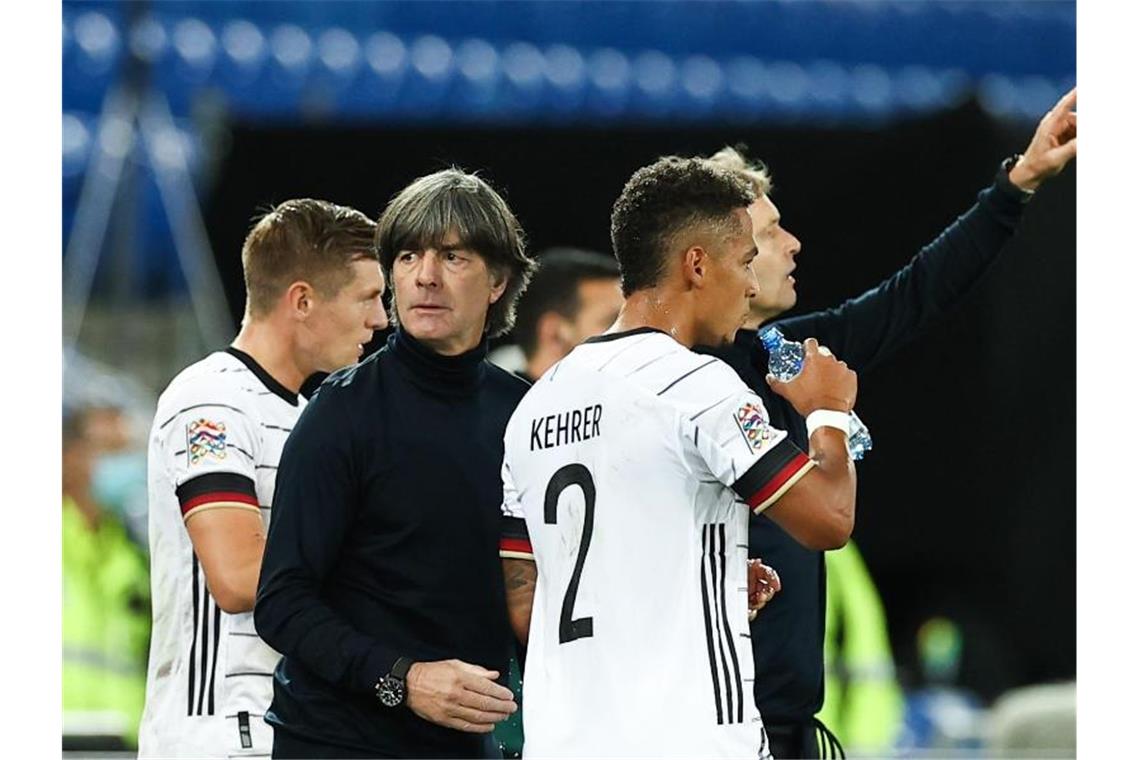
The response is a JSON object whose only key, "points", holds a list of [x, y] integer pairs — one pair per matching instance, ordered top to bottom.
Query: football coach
{"points": [[382, 585]]}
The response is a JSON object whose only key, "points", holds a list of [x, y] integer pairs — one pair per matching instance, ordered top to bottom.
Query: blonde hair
{"points": [[755, 172]]}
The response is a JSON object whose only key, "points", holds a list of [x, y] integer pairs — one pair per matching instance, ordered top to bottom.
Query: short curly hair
{"points": [[669, 197], [426, 211]]}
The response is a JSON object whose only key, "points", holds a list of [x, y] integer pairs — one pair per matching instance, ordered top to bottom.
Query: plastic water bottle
{"points": [[785, 360]]}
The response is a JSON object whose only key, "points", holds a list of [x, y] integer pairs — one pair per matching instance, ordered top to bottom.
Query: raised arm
{"points": [[1053, 146], [870, 328], [811, 495]]}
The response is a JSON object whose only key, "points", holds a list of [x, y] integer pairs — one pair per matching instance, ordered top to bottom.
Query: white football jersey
{"points": [[216, 441], [633, 463]]}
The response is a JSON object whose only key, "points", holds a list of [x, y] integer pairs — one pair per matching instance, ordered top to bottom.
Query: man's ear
{"points": [[694, 266], [499, 280], [300, 296]]}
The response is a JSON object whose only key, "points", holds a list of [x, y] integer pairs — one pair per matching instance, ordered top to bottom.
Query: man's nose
{"points": [[793, 245], [427, 275], [377, 317]]}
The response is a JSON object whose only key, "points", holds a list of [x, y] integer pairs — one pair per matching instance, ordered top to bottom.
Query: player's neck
{"points": [[667, 311], [273, 349]]}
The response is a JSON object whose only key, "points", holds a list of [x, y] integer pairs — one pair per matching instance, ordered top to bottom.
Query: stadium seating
{"points": [[536, 62]]}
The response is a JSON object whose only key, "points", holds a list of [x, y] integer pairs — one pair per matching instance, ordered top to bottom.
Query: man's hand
{"points": [[1053, 146], [823, 383], [763, 583], [458, 695]]}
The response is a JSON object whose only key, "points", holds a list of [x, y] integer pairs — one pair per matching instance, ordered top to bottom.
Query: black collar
{"points": [[623, 334], [746, 339], [447, 375], [265, 378]]}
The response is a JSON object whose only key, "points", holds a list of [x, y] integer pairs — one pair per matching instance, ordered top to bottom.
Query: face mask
{"points": [[118, 482]]}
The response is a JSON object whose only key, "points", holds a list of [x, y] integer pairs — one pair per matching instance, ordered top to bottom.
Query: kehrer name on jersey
{"points": [[565, 427]]}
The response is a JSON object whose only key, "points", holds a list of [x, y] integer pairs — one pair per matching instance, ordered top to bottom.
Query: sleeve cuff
{"points": [[1006, 190], [514, 541], [377, 664]]}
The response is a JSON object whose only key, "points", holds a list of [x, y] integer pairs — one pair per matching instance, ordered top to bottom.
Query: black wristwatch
{"points": [[1003, 179], [391, 690]]}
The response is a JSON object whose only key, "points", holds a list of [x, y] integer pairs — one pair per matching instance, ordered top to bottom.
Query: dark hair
{"points": [[663, 200], [426, 211], [303, 239], [554, 287]]}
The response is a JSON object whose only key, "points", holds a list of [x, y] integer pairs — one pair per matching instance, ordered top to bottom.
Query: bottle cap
{"points": [[771, 337]]}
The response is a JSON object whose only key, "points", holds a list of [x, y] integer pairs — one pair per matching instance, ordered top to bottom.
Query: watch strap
{"points": [[1003, 181], [401, 667]]}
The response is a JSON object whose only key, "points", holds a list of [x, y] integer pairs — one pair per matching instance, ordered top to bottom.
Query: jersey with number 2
{"points": [[628, 473]]}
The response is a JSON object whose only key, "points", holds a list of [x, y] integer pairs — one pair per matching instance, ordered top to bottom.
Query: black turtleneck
{"points": [[384, 544]]}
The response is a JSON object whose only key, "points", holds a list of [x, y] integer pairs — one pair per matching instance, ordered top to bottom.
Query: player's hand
{"points": [[1053, 146], [823, 383], [763, 583], [458, 695]]}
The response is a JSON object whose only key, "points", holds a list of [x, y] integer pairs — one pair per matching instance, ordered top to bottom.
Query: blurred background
{"points": [[879, 120]]}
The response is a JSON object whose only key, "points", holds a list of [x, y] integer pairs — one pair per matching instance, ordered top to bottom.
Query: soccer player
{"points": [[313, 288], [867, 331], [634, 463]]}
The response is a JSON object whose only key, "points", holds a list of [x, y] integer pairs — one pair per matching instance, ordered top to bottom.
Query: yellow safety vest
{"points": [[106, 627], [863, 703]]}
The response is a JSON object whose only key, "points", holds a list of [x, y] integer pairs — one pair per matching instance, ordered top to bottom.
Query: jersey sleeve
{"points": [[210, 442], [742, 449], [514, 540]]}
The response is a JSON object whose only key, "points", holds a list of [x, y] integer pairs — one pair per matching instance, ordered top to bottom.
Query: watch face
{"points": [[390, 692]]}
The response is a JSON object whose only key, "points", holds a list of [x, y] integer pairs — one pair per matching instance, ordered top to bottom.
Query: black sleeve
{"points": [[870, 328], [314, 506]]}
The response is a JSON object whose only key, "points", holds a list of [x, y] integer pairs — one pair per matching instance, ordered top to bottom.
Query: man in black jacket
{"points": [[381, 584], [787, 639]]}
